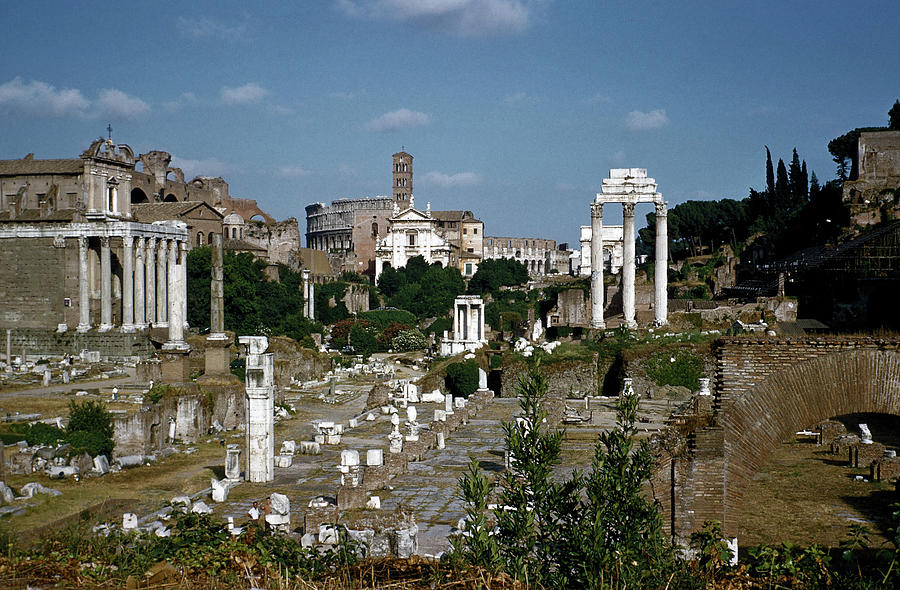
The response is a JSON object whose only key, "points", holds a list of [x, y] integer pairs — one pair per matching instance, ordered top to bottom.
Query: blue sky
{"points": [[514, 109]]}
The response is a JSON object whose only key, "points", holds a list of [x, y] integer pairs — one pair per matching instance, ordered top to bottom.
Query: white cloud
{"points": [[467, 18], [210, 28], [246, 94], [40, 99], [115, 103], [398, 120], [641, 121], [204, 167], [292, 171], [442, 180]]}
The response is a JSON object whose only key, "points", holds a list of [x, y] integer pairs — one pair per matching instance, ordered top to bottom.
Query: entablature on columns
{"points": [[628, 186], [165, 230]]}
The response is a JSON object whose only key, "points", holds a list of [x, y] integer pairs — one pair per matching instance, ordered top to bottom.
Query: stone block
{"points": [[828, 430], [288, 447], [310, 448], [349, 457], [374, 457], [284, 460], [101, 465], [32, 488], [220, 489], [6, 493], [350, 498], [374, 503], [201, 507], [129, 521], [328, 535]]}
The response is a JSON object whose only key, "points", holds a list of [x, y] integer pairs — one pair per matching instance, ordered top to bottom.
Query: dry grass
{"points": [[804, 495]]}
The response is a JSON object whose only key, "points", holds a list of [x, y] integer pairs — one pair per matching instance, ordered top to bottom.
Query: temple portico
{"points": [[629, 186], [120, 266], [468, 326]]}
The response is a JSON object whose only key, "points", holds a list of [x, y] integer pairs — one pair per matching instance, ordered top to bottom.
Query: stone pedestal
{"points": [[218, 356], [176, 366], [233, 462]]}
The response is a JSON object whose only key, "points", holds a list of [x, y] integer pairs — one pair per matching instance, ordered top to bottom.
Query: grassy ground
{"points": [[805, 495]]}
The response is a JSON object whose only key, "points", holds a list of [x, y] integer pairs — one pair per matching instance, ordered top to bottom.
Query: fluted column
{"points": [[597, 266], [628, 267], [661, 275], [150, 277], [182, 282], [127, 284], [105, 286], [84, 287], [312, 301], [162, 314], [140, 320], [176, 322]]}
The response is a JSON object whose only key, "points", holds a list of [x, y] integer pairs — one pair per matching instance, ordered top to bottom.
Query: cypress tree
{"points": [[894, 116], [770, 175], [804, 181], [782, 187]]}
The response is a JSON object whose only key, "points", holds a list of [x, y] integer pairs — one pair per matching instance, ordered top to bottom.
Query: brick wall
{"points": [[767, 389]]}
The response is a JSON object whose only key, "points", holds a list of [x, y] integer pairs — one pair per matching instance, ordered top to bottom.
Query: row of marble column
{"points": [[154, 285], [660, 295]]}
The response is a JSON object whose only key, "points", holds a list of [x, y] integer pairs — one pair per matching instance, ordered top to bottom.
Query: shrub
{"points": [[381, 318], [439, 326], [362, 339], [409, 340], [680, 367], [462, 378], [90, 427], [43, 434]]}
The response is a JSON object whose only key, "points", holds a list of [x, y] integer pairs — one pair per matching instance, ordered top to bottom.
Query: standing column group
{"points": [[660, 278]]}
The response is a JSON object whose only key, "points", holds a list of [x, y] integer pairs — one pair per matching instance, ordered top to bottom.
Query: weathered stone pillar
{"points": [[597, 266], [628, 267], [661, 274], [150, 276], [127, 284], [105, 286], [84, 287], [216, 291], [306, 296], [312, 301], [162, 317], [140, 319], [176, 322], [217, 356], [260, 410]]}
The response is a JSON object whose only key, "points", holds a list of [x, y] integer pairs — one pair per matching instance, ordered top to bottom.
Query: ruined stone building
{"points": [[875, 192], [613, 249], [74, 254], [541, 256]]}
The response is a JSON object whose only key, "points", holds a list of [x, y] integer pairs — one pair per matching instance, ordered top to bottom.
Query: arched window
{"points": [[374, 230], [234, 233], [199, 238]]}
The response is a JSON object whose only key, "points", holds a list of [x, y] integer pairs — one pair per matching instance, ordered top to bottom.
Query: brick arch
{"points": [[755, 423]]}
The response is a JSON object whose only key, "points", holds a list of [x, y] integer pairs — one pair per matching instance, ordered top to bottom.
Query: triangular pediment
{"points": [[410, 214]]}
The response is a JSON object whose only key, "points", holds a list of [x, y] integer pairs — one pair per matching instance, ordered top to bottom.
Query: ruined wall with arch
{"points": [[765, 391]]}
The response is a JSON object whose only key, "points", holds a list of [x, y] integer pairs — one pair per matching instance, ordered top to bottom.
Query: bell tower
{"points": [[402, 179]]}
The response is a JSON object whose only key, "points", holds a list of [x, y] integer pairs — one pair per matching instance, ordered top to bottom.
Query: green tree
{"points": [[894, 116], [770, 174], [614, 537]]}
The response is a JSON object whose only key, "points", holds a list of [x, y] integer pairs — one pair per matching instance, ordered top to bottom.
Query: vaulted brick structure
{"points": [[765, 391]]}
